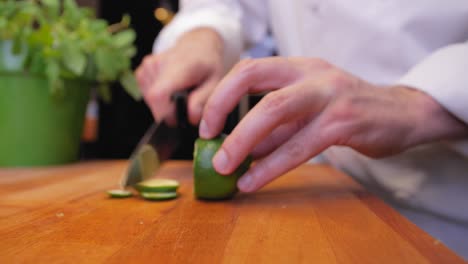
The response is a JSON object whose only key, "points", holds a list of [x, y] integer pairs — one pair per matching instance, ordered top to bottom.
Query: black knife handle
{"points": [[180, 100]]}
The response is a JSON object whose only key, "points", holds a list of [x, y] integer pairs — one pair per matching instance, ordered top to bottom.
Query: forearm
{"points": [[223, 17], [204, 36]]}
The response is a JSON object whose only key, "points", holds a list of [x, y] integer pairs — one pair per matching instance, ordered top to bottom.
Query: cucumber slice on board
{"points": [[157, 185], [119, 193], [158, 196]]}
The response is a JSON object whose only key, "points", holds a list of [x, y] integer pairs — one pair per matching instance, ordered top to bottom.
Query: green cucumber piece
{"points": [[208, 183], [157, 185], [119, 193], [158, 196]]}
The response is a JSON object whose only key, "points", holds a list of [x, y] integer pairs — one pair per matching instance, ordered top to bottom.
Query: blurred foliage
{"points": [[60, 40]]}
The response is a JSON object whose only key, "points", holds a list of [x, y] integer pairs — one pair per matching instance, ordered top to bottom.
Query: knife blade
{"points": [[156, 146]]}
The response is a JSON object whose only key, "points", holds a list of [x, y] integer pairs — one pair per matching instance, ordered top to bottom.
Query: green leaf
{"points": [[70, 6], [52, 7], [72, 12], [88, 12], [3, 23], [97, 25], [41, 37], [123, 38], [59, 39], [18, 44], [129, 51], [51, 53], [74, 59], [37, 64], [106, 65], [90, 70], [53, 73], [130, 85], [105, 93]]}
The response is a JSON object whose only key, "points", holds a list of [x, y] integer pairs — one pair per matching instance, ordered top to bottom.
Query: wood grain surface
{"points": [[314, 214]]}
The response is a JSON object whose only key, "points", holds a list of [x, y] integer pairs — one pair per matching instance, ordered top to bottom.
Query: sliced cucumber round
{"points": [[157, 185], [119, 193], [158, 196]]}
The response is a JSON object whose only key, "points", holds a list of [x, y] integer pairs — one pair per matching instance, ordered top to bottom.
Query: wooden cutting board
{"points": [[313, 214]]}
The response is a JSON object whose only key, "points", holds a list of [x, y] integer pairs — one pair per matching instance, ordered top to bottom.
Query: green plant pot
{"points": [[36, 128]]}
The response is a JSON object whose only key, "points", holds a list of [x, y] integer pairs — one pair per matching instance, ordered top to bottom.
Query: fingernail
{"points": [[204, 130], [221, 161], [245, 183]]}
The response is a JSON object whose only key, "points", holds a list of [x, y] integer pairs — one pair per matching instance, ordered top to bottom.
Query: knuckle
{"points": [[147, 60], [244, 62], [152, 63], [318, 63], [246, 66], [195, 71], [139, 74], [339, 81], [154, 95], [274, 103], [196, 104], [212, 106], [342, 109], [342, 120], [300, 123], [239, 139], [296, 150], [262, 172]]}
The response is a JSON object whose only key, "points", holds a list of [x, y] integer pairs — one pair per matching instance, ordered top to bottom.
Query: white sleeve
{"points": [[239, 23], [444, 76]]}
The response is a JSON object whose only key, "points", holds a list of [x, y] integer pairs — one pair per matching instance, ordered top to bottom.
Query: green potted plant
{"points": [[51, 54]]}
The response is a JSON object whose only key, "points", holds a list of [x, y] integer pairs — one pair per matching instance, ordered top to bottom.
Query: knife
{"points": [[157, 145]]}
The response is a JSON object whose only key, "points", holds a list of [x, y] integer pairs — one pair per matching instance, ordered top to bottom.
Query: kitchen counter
{"points": [[313, 214]]}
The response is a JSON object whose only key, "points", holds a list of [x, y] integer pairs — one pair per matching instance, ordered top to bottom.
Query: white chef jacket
{"points": [[419, 43]]}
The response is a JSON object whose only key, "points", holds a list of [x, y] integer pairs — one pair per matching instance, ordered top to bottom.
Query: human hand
{"points": [[196, 60], [312, 106]]}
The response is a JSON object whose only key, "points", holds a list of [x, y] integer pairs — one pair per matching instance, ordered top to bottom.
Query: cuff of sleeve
{"points": [[228, 29], [443, 75]]}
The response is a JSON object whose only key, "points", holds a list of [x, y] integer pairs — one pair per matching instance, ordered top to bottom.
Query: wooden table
{"points": [[314, 214]]}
